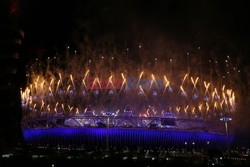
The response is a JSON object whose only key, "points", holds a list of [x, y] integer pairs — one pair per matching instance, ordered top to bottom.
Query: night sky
{"points": [[209, 24], [219, 26]]}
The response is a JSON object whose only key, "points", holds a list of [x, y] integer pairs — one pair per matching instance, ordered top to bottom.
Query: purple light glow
{"points": [[123, 137]]}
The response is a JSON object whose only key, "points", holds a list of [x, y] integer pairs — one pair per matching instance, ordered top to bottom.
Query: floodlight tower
{"points": [[226, 120]]}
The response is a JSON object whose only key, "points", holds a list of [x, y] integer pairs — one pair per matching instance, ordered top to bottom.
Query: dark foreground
{"points": [[122, 157]]}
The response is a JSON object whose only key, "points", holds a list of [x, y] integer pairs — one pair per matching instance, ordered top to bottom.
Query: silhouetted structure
{"points": [[10, 76]]}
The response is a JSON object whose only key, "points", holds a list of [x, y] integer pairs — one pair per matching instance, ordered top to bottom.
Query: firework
{"points": [[71, 92]]}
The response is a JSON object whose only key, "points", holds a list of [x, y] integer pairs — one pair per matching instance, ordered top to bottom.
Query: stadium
{"points": [[95, 106], [72, 132]]}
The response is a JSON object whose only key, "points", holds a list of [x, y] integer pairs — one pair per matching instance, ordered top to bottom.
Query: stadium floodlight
{"points": [[226, 120]]}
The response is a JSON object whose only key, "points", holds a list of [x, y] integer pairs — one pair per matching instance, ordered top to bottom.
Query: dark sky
{"points": [[211, 24]]}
